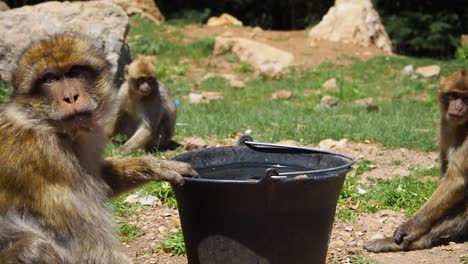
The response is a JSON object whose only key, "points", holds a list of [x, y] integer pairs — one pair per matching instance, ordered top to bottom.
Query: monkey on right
{"points": [[147, 111], [444, 217]]}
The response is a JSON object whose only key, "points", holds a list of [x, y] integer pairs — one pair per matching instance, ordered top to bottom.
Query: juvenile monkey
{"points": [[147, 114], [54, 180], [444, 217]]}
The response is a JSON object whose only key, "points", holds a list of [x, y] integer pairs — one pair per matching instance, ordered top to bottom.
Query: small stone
{"points": [[224, 20], [255, 32], [407, 70], [428, 71], [237, 84], [330, 85], [282, 94], [205, 97], [329, 101], [365, 101], [193, 143], [333, 144], [133, 198], [149, 200], [166, 214], [162, 229], [349, 229], [337, 244], [352, 251]]}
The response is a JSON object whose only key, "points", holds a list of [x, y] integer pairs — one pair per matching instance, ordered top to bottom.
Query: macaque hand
{"points": [[170, 170], [410, 231]]}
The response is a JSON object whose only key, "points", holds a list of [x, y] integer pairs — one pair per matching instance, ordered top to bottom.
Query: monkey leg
{"points": [[138, 140], [128, 173], [449, 192], [454, 227], [388, 244], [383, 245]]}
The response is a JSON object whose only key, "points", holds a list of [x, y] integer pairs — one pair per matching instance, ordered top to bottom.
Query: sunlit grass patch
{"points": [[129, 233], [174, 243]]}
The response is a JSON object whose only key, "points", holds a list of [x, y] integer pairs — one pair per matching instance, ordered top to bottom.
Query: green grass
{"points": [[152, 39], [245, 67], [400, 122], [404, 124], [364, 166], [419, 172], [163, 191], [406, 194], [122, 208], [129, 233], [174, 244], [464, 259], [360, 260]]}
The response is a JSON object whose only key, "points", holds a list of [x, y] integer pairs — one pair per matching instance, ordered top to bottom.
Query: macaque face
{"points": [[144, 85], [68, 94], [455, 107]]}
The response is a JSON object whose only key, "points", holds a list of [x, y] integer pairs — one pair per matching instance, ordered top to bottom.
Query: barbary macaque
{"points": [[147, 114], [54, 180], [444, 217]]}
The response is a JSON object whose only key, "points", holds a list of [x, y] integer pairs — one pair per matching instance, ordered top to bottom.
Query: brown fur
{"points": [[147, 119], [54, 181], [444, 217]]}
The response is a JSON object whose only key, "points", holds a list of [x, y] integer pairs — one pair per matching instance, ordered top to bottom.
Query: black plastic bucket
{"points": [[260, 203]]}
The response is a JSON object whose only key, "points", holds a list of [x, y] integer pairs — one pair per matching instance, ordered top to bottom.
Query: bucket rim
{"points": [[272, 174]]}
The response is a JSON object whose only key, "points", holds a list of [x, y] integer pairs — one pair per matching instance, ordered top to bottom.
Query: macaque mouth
{"points": [[84, 116]]}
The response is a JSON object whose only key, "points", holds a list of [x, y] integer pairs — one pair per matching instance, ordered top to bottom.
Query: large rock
{"points": [[146, 8], [223, 20], [353, 21], [105, 22], [267, 61]]}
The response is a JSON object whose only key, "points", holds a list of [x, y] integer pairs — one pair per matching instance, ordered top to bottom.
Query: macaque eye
{"points": [[79, 72], [50, 78], [142, 80], [448, 97]]}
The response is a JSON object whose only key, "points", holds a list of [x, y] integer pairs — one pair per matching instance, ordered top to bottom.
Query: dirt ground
{"points": [[347, 237]]}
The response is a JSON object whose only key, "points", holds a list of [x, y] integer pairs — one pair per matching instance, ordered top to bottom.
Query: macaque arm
{"points": [[139, 140], [128, 173], [450, 191]]}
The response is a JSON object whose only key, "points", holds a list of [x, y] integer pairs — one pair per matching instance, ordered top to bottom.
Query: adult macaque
{"points": [[147, 114], [54, 180], [444, 217]]}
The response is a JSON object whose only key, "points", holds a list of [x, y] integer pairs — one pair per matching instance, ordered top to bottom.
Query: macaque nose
{"points": [[71, 99]]}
